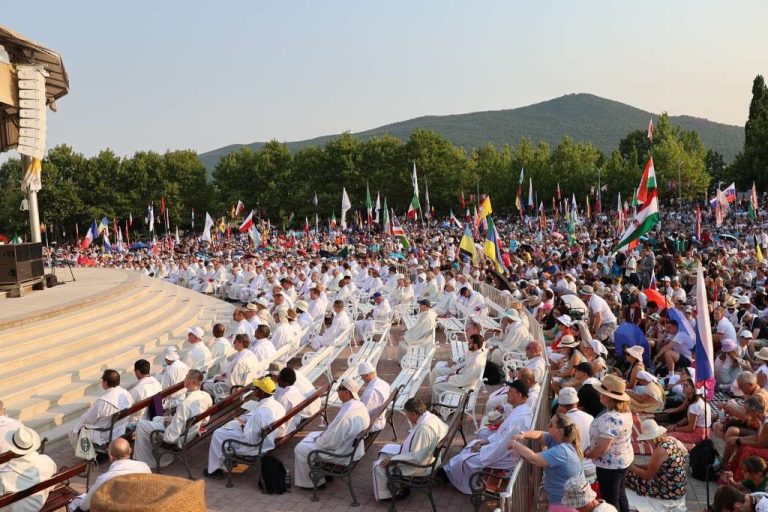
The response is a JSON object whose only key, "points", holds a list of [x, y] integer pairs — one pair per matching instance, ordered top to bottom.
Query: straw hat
{"points": [[568, 341], [635, 351], [762, 354], [613, 387], [649, 429], [22, 441], [149, 493]]}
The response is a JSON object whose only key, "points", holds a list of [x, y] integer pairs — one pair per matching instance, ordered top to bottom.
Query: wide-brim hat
{"points": [[587, 290], [302, 305], [512, 314], [565, 319], [196, 331], [568, 341], [635, 351], [170, 354], [762, 354], [365, 368], [613, 387], [649, 429], [22, 441], [142, 492], [577, 493]]}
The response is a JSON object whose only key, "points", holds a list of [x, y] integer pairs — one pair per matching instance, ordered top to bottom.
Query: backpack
{"points": [[493, 374], [705, 461], [275, 479]]}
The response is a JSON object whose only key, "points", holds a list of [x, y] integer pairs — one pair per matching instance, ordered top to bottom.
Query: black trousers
{"points": [[613, 487]]}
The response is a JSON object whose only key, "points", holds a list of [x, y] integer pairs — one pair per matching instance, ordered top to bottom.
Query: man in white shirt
{"points": [[446, 301], [473, 301], [376, 320], [603, 321], [339, 325], [242, 326], [263, 348], [221, 349], [199, 356], [241, 370], [175, 371], [460, 376], [145, 387], [377, 390], [289, 394], [195, 402], [99, 415], [6, 425], [338, 437], [418, 448], [120, 464], [26, 470]]}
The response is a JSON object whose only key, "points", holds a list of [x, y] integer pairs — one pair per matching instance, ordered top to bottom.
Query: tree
{"points": [[751, 165], [715, 168]]}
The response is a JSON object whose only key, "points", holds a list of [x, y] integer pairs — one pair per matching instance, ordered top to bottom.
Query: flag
{"points": [[650, 130], [415, 181], [558, 192], [730, 193], [426, 197], [518, 197], [314, 200], [462, 201], [368, 204], [531, 204], [415, 205], [162, 206], [378, 206], [345, 207], [753, 207], [239, 208], [485, 210], [588, 212], [620, 213], [647, 215], [151, 218], [193, 218], [290, 219], [385, 219], [333, 220], [456, 221], [698, 222], [247, 223], [572, 224], [306, 225], [103, 226], [397, 229], [92, 233], [177, 235], [255, 235], [206, 236], [119, 240], [105, 241], [467, 245], [491, 247], [758, 250], [652, 285], [705, 365]]}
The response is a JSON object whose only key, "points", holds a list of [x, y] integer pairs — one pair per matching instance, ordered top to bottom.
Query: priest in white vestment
{"points": [[375, 321], [339, 325], [423, 331], [461, 376], [377, 390], [99, 414]]}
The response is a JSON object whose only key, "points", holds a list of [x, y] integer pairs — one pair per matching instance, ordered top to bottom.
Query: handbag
{"points": [[84, 448]]}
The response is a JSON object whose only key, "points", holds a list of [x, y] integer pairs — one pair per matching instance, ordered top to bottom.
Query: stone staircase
{"points": [[51, 368]]}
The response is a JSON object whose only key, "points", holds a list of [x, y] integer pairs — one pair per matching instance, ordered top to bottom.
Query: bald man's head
{"points": [[526, 375], [119, 449]]}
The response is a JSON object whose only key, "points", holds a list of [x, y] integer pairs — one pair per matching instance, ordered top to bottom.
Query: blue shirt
{"points": [[628, 335], [562, 464]]}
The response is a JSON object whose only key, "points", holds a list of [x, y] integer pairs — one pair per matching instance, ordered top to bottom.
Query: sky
{"points": [[199, 75]]}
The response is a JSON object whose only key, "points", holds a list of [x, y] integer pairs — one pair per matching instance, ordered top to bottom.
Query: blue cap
{"points": [[377, 295]]}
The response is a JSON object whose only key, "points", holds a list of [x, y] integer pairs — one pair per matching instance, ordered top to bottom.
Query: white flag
{"points": [[415, 181], [531, 202], [345, 206], [378, 206], [206, 236]]}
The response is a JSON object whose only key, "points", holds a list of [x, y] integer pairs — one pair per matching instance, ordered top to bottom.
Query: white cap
{"points": [[198, 332], [745, 334], [171, 354], [365, 368], [351, 386], [567, 396]]}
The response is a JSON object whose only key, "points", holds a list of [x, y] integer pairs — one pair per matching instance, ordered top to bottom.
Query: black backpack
{"points": [[493, 374], [705, 461], [275, 479]]}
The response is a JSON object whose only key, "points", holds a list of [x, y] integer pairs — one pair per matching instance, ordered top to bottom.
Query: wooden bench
{"points": [[125, 413], [215, 416], [229, 447], [7, 456], [342, 465], [425, 473], [487, 485], [61, 493]]}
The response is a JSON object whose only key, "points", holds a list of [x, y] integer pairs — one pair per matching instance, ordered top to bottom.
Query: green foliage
{"points": [[751, 164]]}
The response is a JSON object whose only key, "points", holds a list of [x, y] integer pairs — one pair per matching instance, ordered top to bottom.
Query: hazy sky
{"points": [[190, 74]]}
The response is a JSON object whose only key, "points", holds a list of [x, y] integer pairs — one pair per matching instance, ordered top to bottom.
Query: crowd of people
{"points": [[617, 353]]}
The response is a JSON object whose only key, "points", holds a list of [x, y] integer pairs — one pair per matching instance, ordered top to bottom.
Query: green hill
{"points": [[583, 117]]}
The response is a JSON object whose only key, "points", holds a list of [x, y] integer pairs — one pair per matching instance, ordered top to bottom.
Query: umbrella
{"points": [[728, 237], [138, 245], [525, 247], [503, 281], [562, 290], [655, 296]]}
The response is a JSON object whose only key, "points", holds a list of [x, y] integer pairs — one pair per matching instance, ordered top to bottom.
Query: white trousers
{"points": [[231, 430], [142, 449], [300, 463], [646, 504]]}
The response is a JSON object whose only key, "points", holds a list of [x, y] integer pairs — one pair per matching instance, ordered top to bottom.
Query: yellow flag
{"points": [[484, 211], [467, 245], [759, 254]]}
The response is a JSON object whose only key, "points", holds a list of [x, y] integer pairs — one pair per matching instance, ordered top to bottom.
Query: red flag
{"points": [[650, 130], [462, 201], [162, 205], [247, 223]]}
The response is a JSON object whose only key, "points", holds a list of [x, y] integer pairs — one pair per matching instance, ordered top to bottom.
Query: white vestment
{"points": [[381, 314], [339, 325], [421, 333], [460, 377], [145, 388], [376, 393], [99, 415], [117, 468], [22, 473]]}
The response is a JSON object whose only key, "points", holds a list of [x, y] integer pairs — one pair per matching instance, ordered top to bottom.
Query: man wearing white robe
{"points": [[429, 288], [446, 301], [473, 301], [318, 303], [375, 321], [339, 325], [242, 326], [422, 332], [284, 333], [513, 338], [263, 348], [221, 349], [198, 357], [241, 370], [175, 371], [460, 376], [145, 387], [377, 390], [289, 394], [194, 403], [262, 412], [99, 414], [338, 437], [418, 448], [493, 452], [26, 470]]}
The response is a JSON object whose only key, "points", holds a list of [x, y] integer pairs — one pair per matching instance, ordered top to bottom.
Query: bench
{"points": [[315, 364], [415, 368], [125, 413], [215, 416], [229, 447], [7, 456], [342, 465], [424, 476], [487, 485], [61, 493]]}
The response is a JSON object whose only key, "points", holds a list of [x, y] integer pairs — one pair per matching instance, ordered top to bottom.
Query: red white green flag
{"points": [[647, 215]]}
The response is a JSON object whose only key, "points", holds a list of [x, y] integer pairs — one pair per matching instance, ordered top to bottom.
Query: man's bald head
{"points": [[526, 375], [120, 449]]}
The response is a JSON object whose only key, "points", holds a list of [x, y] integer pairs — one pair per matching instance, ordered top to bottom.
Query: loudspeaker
{"points": [[21, 262]]}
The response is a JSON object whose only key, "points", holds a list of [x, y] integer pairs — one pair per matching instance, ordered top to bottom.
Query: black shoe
{"points": [[218, 474], [441, 476], [403, 494]]}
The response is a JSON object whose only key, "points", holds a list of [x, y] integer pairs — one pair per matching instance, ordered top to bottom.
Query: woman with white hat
{"points": [[569, 348], [634, 357], [728, 364], [762, 371], [648, 395], [691, 429], [611, 441], [660, 484]]}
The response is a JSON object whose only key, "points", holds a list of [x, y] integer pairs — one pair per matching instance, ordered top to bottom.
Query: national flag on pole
{"points": [[650, 130], [415, 181], [558, 192], [730, 193], [519, 196], [314, 200], [462, 201], [531, 203], [346, 204], [368, 204], [162, 206], [378, 206], [415, 206], [753, 207], [239, 208], [485, 210], [589, 211], [620, 213], [428, 215], [647, 215], [151, 218], [193, 218], [130, 219], [290, 219], [385, 219], [333, 220], [456, 221], [247, 223], [572, 223], [306, 225], [103, 226], [397, 229], [92, 233], [177, 235], [206, 236], [255, 236], [119, 240], [105, 241], [467, 245], [491, 247], [758, 250], [652, 284], [705, 364]]}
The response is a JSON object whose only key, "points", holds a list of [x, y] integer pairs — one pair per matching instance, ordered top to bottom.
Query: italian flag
{"points": [[413, 208], [647, 215]]}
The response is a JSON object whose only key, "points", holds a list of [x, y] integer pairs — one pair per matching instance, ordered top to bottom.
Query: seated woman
{"points": [[571, 357], [634, 357], [728, 365], [648, 395], [679, 412], [691, 429], [738, 447], [561, 459], [754, 470], [660, 484], [730, 499]]}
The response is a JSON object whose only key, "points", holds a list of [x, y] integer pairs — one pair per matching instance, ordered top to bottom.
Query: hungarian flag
{"points": [[368, 204], [647, 215], [385, 218], [333, 221], [247, 223]]}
